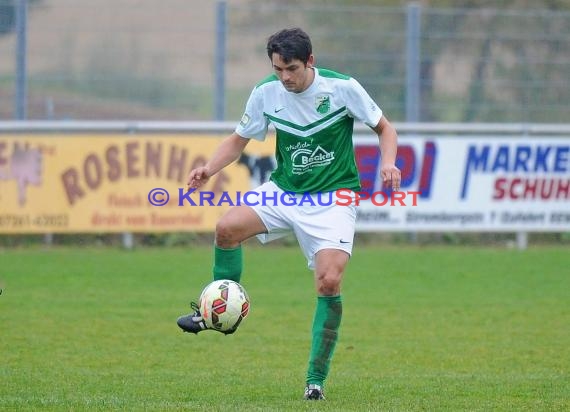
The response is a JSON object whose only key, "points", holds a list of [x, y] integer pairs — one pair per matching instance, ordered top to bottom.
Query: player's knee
{"points": [[225, 235], [328, 284]]}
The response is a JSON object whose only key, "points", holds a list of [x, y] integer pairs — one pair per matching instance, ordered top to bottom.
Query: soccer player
{"points": [[313, 112]]}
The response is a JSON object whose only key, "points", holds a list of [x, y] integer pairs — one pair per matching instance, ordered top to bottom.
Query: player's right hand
{"points": [[198, 177]]}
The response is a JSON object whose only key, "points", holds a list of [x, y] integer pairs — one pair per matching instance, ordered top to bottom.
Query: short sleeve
{"points": [[360, 105], [253, 123]]}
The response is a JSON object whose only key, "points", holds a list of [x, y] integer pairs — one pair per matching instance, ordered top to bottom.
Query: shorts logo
{"points": [[322, 104], [304, 160]]}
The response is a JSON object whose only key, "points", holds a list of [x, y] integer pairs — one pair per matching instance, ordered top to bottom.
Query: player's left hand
{"points": [[391, 175]]}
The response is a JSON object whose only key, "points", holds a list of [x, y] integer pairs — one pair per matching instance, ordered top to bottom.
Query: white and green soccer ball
{"points": [[223, 305]]}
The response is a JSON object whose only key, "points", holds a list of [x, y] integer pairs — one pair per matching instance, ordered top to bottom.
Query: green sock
{"points": [[227, 263], [325, 335]]}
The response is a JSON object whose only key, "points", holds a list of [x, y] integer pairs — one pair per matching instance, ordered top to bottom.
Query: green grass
{"points": [[430, 329]]}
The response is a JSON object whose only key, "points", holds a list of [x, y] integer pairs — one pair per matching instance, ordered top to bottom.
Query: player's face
{"points": [[295, 76]]}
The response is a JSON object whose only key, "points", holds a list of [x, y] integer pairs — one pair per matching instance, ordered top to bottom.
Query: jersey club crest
{"points": [[322, 104]]}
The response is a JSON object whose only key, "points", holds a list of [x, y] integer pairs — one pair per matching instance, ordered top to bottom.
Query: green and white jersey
{"points": [[314, 150]]}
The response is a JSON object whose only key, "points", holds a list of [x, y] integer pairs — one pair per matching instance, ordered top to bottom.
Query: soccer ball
{"points": [[223, 305]]}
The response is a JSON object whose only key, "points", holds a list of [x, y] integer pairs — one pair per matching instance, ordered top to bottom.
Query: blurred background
{"points": [[462, 61], [469, 63], [456, 303]]}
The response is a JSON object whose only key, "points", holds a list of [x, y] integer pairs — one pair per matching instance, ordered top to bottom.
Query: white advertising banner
{"points": [[474, 183]]}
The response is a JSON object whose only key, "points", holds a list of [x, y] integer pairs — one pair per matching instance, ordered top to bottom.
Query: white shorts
{"points": [[316, 220]]}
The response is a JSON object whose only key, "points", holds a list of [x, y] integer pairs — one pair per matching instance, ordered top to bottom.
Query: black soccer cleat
{"points": [[193, 322], [314, 393]]}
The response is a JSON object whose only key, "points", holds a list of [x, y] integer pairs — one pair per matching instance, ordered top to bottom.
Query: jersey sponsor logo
{"points": [[322, 104], [278, 109], [300, 145], [304, 160]]}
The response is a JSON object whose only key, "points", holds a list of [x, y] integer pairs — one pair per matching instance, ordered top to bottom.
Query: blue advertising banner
{"points": [[458, 183]]}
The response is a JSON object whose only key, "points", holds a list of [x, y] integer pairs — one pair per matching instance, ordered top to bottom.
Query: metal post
{"points": [[413, 30], [21, 62], [220, 63], [21, 101], [128, 240], [522, 240]]}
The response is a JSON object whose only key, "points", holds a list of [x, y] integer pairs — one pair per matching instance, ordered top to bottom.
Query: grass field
{"points": [[424, 328]]}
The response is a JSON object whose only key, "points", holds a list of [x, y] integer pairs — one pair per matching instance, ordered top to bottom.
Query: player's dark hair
{"points": [[290, 44]]}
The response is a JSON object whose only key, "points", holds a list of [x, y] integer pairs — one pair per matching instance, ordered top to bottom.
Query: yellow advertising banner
{"points": [[72, 183]]}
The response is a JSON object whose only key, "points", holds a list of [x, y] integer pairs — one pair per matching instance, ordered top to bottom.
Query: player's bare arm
{"points": [[388, 138], [228, 151]]}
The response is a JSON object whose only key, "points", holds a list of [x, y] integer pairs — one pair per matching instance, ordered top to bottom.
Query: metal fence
{"points": [[198, 60]]}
